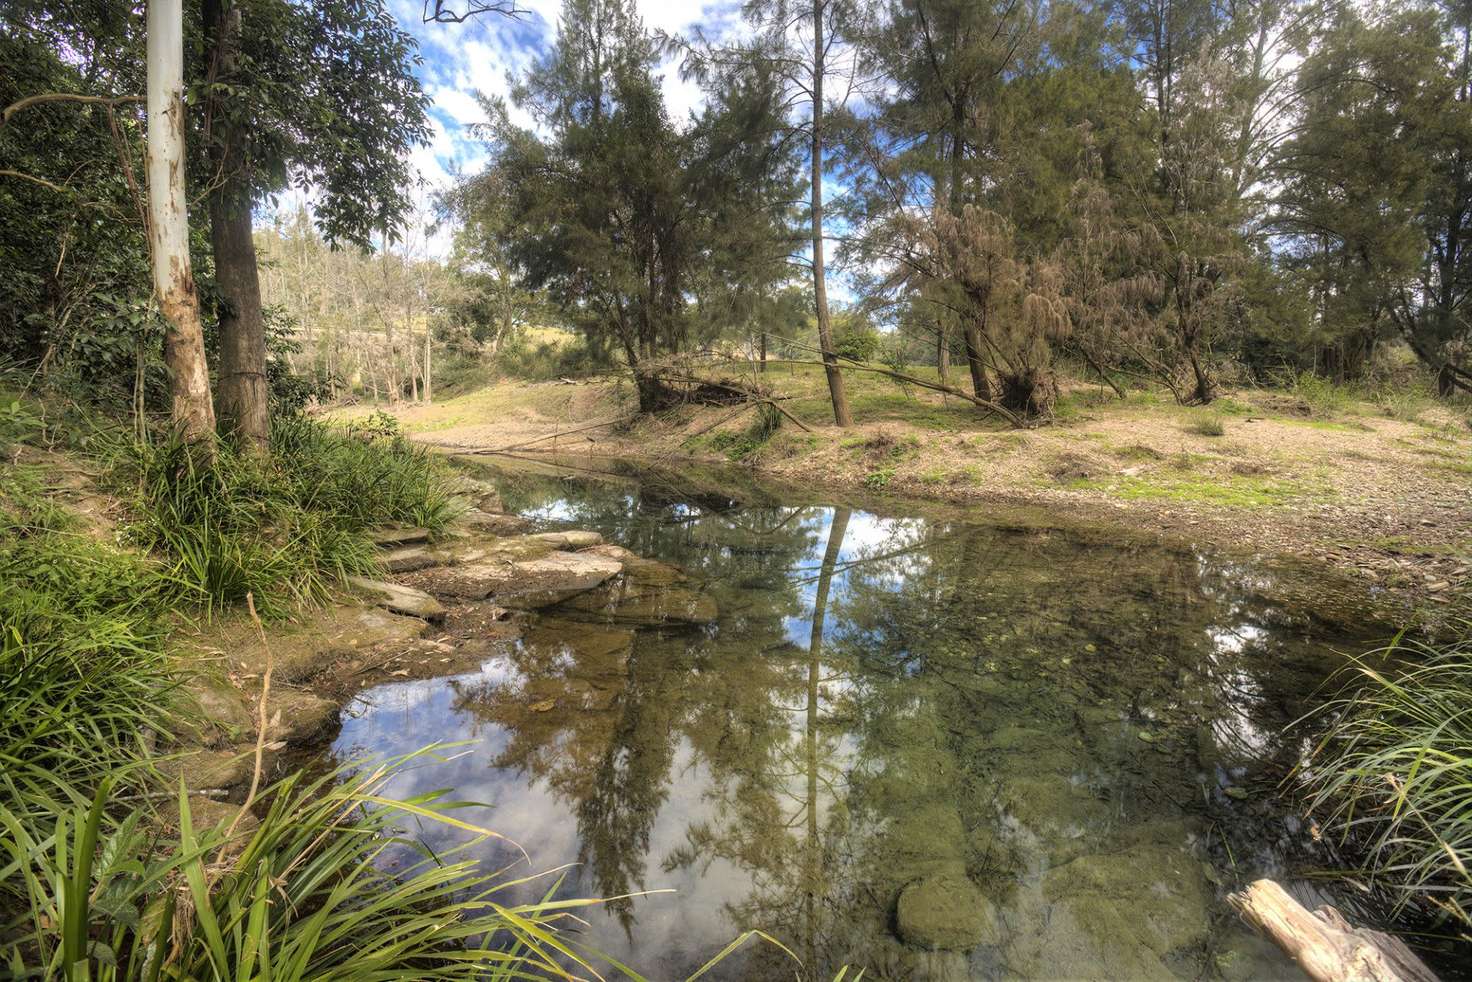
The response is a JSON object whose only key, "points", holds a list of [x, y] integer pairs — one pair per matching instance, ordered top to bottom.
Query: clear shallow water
{"points": [[1049, 754]]}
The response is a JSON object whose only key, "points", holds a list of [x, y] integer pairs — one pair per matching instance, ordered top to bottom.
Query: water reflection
{"points": [[1029, 755]]}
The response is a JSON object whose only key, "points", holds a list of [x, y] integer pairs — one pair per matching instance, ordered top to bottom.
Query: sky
{"points": [[460, 60]]}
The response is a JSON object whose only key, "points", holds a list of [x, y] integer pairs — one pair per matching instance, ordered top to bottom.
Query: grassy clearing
{"points": [[1393, 775]]}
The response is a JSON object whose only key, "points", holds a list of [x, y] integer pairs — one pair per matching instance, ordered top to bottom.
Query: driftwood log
{"points": [[1326, 946]]}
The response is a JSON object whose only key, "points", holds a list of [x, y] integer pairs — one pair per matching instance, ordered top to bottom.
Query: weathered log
{"points": [[1326, 946]]}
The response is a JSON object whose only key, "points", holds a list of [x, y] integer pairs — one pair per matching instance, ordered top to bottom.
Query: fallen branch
{"points": [[1323, 943]]}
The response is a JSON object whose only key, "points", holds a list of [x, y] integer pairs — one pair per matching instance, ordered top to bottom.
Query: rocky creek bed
{"points": [[913, 743]]}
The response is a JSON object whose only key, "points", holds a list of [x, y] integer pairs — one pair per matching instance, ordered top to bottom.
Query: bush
{"points": [[860, 344], [1320, 396], [1207, 424], [286, 527], [1393, 774]]}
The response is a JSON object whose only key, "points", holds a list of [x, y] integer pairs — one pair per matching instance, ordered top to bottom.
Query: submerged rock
{"points": [[400, 599], [630, 601], [946, 912]]}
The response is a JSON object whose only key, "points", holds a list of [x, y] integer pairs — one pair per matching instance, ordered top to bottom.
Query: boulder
{"points": [[400, 599], [221, 713], [299, 718], [203, 770], [946, 912]]}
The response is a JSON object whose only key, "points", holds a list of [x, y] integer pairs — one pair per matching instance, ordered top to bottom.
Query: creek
{"points": [[927, 743]]}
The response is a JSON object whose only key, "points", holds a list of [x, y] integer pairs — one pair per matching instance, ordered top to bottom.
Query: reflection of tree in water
{"points": [[969, 703]]}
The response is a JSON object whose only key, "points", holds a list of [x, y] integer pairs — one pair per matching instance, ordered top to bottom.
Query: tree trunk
{"points": [[168, 226], [970, 330], [427, 338], [761, 364], [244, 407], [841, 414]]}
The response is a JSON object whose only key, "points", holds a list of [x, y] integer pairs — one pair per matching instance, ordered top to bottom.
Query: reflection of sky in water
{"points": [[866, 536], [1054, 640], [400, 718]]}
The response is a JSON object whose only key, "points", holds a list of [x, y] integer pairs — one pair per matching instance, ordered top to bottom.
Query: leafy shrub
{"points": [[860, 344], [546, 360], [1321, 396], [1393, 774]]}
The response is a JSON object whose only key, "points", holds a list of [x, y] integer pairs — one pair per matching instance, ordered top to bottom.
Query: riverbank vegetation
{"points": [[1176, 253], [1390, 779], [107, 869]]}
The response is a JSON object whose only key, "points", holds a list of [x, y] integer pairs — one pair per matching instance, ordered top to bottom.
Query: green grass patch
{"points": [[1206, 424], [1237, 491], [284, 527]]}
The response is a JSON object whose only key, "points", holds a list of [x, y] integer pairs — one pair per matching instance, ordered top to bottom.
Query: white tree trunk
{"points": [[168, 224]]}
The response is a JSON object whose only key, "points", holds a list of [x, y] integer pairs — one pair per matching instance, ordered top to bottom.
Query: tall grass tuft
{"points": [[284, 527], [1393, 774], [308, 893]]}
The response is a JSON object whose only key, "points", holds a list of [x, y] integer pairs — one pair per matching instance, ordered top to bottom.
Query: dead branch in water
{"points": [[1323, 943]]}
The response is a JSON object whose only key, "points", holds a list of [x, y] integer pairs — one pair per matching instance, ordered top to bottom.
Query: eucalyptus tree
{"points": [[799, 47], [318, 94], [168, 225]]}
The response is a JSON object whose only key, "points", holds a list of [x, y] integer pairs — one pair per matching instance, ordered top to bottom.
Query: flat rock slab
{"points": [[492, 523], [387, 538], [572, 539], [406, 559], [636, 567], [527, 584], [400, 599], [641, 604], [306, 646]]}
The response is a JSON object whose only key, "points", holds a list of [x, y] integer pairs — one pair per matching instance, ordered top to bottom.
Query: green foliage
{"points": [[861, 343], [542, 361], [1321, 396], [285, 528], [1392, 777], [309, 892]]}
